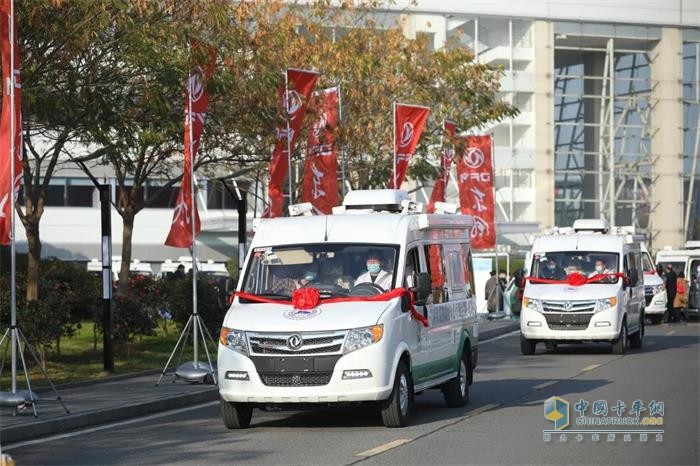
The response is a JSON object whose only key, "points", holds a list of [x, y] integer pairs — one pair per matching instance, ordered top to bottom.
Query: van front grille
{"points": [[568, 321], [275, 344]]}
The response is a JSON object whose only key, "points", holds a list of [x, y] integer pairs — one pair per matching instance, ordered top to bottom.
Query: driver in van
{"points": [[375, 273], [287, 285]]}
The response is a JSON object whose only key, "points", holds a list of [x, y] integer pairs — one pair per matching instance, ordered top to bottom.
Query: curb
{"points": [[102, 416]]}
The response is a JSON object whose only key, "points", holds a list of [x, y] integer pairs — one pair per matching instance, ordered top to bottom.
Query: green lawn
{"points": [[78, 360]]}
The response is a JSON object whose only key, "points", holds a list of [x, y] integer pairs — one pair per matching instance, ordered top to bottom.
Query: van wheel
{"points": [[655, 319], [637, 338], [551, 346], [619, 346], [527, 347], [456, 391], [397, 409], [236, 415]]}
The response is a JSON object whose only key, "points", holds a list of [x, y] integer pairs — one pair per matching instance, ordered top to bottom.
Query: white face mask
{"points": [[599, 268]]}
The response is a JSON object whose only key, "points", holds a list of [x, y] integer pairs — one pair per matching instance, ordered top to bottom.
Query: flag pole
{"points": [[289, 139], [394, 139], [342, 146], [13, 263], [195, 330]]}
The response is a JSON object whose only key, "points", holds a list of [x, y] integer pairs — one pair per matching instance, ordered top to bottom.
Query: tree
{"points": [[62, 83]]}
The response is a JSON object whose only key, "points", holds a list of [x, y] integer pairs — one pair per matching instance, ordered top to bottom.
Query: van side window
{"points": [[433, 255], [632, 263], [467, 265], [412, 267], [457, 283]]}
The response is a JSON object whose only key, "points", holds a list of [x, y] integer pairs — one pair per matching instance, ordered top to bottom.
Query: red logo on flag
{"points": [[300, 84], [196, 102], [409, 121], [448, 150], [320, 185], [9, 189], [476, 189]]}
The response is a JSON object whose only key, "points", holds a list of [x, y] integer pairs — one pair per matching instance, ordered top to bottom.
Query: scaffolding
{"points": [[602, 127]]}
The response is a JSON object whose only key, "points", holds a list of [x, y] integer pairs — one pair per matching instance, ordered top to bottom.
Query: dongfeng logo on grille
{"points": [[567, 305], [295, 342]]}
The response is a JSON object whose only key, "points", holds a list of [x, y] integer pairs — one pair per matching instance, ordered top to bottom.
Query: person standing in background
{"points": [[671, 279], [491, 293], [680, 302]]}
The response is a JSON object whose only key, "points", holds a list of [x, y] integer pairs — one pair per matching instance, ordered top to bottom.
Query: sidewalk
{"points": [[128, 396]]}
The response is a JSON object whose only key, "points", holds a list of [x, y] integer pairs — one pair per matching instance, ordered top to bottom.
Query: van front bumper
{"points": [[657, 305], [603, 326], [373, 358]]}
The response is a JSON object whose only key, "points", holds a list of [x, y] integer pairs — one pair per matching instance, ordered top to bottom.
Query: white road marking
{"points": [[668, 334], [500, 337], [590, 368], [545, 384], [90, 430], [382, 448]]}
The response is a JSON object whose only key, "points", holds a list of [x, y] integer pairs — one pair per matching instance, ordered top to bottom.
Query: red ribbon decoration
{"points": [[577, 279], [304, 298]]}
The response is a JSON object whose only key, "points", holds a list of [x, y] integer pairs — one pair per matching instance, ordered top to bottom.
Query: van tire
{"points": [[656, 319], [637, 338], [619, 346], [527, 347], [456, 391], [396, 410], [236, 415]]}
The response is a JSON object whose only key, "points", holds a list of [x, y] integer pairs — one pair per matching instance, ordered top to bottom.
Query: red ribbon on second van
{"points": [[577, 279], [308, 298]]}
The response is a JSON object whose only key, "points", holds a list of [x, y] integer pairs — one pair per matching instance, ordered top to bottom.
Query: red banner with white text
{"points": [[196, 103], [292, 104], [409, 121], [443, 175], [320, 184], [9, 188], [476, 189]]}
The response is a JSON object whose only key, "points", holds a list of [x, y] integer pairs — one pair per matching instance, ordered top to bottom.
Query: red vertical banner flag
{"points": [[294, 93], [196, 103], [409, 121], [448, 151], [320, 184], [9, 188], [476, 189]]}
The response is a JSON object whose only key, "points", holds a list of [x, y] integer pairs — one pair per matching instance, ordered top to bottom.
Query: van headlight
{"points": [[658, 288], [533, 304], [605, 304], [358, 338], [234, 339]]}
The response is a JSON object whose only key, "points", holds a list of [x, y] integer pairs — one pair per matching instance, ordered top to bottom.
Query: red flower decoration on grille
{"points": [[576, 279], [305, 298]]}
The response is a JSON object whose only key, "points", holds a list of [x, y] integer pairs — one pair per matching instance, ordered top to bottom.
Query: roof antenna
{"points": [[325, 237]]}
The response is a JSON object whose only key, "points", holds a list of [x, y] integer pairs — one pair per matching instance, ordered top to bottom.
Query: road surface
{"points": [[503, 424]]}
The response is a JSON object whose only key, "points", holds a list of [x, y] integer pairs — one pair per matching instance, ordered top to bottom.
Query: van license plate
{"points": [[295, 364]]}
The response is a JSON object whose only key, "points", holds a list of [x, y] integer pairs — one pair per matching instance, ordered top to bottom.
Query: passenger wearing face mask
{"points": [[551, 271], [375, 274]]}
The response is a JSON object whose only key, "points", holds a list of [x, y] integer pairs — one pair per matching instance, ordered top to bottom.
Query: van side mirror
{"points": [[634, 276], [422, 287]]}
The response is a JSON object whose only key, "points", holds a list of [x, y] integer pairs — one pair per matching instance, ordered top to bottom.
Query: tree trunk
{"points": [[127, 236], [33, 259], [58, 345]]}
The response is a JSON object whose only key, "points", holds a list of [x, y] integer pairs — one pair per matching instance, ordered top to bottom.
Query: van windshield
{"points": [[559, 265], [333, 269]]}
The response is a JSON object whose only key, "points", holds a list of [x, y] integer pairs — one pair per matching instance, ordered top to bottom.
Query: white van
{"points": [[685, 260], [654, 290], [556, 309], [352, 350]]}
